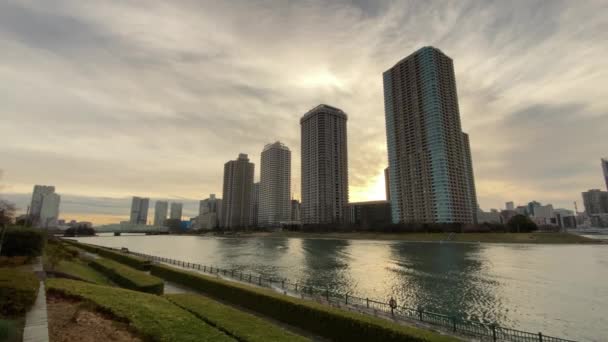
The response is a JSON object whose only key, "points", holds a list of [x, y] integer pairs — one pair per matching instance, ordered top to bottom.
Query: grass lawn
{"points": [[549, 238], [154, 317], [242, 325]]}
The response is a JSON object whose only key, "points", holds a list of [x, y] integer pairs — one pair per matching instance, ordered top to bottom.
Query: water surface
{"points": [[560, 290]]}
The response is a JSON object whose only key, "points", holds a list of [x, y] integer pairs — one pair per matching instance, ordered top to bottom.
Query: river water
{"points": [[560, 290]]}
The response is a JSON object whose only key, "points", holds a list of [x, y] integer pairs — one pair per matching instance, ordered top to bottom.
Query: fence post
{"points": [[205, 268], [232, 273], [241, 276], [250, 277], [260, 280], [283, 284], [296, 287], [327, 294], [346, 299], [367, 300], [420, 313], [454, 324], [493, 326], [540, 337]]}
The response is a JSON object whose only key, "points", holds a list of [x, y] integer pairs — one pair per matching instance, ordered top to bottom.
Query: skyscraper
{"points": [[430, 164], [324, 166], [605, 171], [238, 183], [387, 184], [275, 185], [36, 204], [255, 205], [510, 206], [139, 210], [176, 211], [209, 212], [49, 213], [160, 213]]}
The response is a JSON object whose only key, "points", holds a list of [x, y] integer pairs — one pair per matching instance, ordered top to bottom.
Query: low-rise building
{"points": [[370, 214]]}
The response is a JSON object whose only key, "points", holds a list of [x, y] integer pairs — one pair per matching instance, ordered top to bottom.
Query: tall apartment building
{"points": [[430, 164], [324, 166], [605, 171], [238, 184], [387, 184], [275, 185], [595, 201], [36, 204], [255, 205], [510, 206], [139, 210], [295, 210], [176, 211], [209, 212], [49, 213], [160, 213]]}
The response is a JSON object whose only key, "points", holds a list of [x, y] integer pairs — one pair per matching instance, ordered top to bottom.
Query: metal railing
{"points": [[483, 331]]}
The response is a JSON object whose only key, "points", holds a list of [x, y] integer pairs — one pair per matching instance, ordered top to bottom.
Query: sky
{"points": [[115, 98]]}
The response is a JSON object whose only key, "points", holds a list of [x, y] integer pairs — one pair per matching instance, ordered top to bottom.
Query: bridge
{"points": [[121, 228]]}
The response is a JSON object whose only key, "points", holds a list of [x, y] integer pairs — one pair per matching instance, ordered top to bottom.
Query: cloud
{"points": [[117, 98]]}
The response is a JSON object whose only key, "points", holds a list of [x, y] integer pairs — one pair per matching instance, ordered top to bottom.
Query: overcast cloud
{"points": [[109, 99]]}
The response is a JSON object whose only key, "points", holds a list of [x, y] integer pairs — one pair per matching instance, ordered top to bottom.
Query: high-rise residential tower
{"points": [[430, 164], [324, 166], [605, 171], [238, 183], [387, 184], [275, 185], [36, 205], [255, 205], [139, 210], [176, 211], [209, 212], [49, 213], [160, 213]]}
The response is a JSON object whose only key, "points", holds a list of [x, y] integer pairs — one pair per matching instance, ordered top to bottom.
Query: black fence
{"points": [[390, 310]]}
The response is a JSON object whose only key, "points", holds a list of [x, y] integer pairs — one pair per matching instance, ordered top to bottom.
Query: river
{"points": [[560, 290]]}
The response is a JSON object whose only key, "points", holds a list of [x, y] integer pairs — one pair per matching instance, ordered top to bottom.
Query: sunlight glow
{"points": [[372, 191]]}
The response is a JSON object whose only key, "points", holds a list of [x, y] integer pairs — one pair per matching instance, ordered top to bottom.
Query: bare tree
{"points": [[7, 212]]}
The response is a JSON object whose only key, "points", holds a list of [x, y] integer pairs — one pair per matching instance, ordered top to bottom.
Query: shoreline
{"points": [[511, 238]]}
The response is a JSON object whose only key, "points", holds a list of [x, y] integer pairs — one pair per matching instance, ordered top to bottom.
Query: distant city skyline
{"points": [[154, 112]]}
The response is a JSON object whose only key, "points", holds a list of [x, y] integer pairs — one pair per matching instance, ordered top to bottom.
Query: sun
{"points": [[373, 191]]}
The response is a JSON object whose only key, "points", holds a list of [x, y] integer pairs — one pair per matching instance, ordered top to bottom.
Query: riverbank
{"points": [[534, 238]]}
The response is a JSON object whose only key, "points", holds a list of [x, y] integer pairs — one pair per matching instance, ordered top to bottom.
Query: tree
{"points": [[7, 212], [521, 224], [173, 225]]}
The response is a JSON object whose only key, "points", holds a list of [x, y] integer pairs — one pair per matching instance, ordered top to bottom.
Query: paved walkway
{"points": [[36, 321]]}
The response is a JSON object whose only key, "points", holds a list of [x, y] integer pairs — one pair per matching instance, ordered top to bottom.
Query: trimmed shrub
{"points": [[19, 241], [133, 261], [128, 277], [18, 291], [153, 317], [332, 323], [242, 325], [9, 332]]}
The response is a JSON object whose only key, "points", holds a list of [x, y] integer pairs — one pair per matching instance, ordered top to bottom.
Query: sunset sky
{"points": [[110, 99]]}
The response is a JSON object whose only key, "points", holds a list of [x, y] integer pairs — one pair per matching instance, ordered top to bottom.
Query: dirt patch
{"points": [[71, 320]]}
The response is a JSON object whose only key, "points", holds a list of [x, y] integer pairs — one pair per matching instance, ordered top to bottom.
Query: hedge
{"points": [[20, 241], [133, 261], [128, 277], [18, 291], [153, 317], [332, 323], [242, 325], [9, 331]]}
